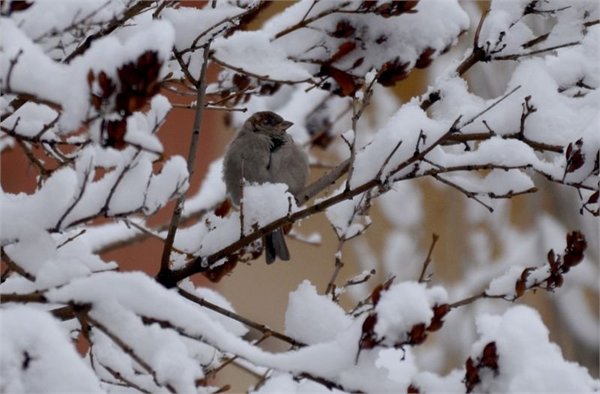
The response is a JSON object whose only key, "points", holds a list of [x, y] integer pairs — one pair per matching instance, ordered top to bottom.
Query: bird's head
{"points": [[267, 122]]}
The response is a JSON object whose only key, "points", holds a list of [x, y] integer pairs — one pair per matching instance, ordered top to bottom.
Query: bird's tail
{"points": [[275, 247]]}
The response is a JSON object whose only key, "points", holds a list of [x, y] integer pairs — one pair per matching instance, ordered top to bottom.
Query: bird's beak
{"points": [[284, 125]]}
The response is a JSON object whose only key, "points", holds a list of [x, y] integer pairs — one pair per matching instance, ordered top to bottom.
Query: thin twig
{"points": [[309, 10], [306, 22], [194, 44], [517, 56], [185, 68], [474, 118], [47, 127], [352, 144], [131, 165], [44, 172], [84, 184], [464, 191], [150, 233], [70, 239], [427, 261], [15, 267], [338, 267], [468, 300], [260, 327], [128, 350], [230, 360], [118, 376]]}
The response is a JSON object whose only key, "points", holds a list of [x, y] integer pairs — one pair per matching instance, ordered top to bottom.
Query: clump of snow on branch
{"points": [[304, 304], [34, 340], [527, 360]]}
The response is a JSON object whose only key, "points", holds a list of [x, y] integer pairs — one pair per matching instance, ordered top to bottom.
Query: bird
{"points": [[263, 152]]}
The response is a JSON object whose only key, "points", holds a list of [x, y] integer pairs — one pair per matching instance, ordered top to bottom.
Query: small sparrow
{"points": [[263, 152]]}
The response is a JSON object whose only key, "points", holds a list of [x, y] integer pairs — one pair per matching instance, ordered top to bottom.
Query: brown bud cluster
{"points": [[392, 8], [136, 83], [242, 87], [575, 157], [558, 265], [417, 334], [488, 359]]}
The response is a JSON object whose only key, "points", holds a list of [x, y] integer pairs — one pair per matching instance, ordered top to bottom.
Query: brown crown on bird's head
{"points": [[267, 121]]}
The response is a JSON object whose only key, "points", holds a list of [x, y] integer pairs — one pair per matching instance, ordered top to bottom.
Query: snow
{"points": [[40, 20], [190, 22], [434, 25], [504, 27], [258, 56], [573, 65], [47, 79], [456, 100], [31, 119], [405, 125], [141, 127], [173, 177], [496, 183], [130, 190], [211, 191], [264, 203], [23, 214], [346, 217], [210, 235], [40, 255], [505, 285], [131, 292], [214, 297], [403, 306], [328, 319], [38, 356], [527, 361], [400, 365], [286, 383]]}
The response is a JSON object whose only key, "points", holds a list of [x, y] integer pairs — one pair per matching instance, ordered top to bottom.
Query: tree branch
{"points": [[201, 88], [260, 327]]}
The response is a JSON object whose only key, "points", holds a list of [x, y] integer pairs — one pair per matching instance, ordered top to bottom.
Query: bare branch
{"points": [[305, 22], [517, 56], [185, 68], [488, 108], [44, 172], [84, 183], [467, 193], [151, 234], [70, 239], [15, 268], [423, 277], [260, 327], [128, 350]]}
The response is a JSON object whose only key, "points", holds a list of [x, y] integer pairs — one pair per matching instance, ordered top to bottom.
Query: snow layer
{"points": [[37, 74], [328, 319], [38, 356], [528, 361]]}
